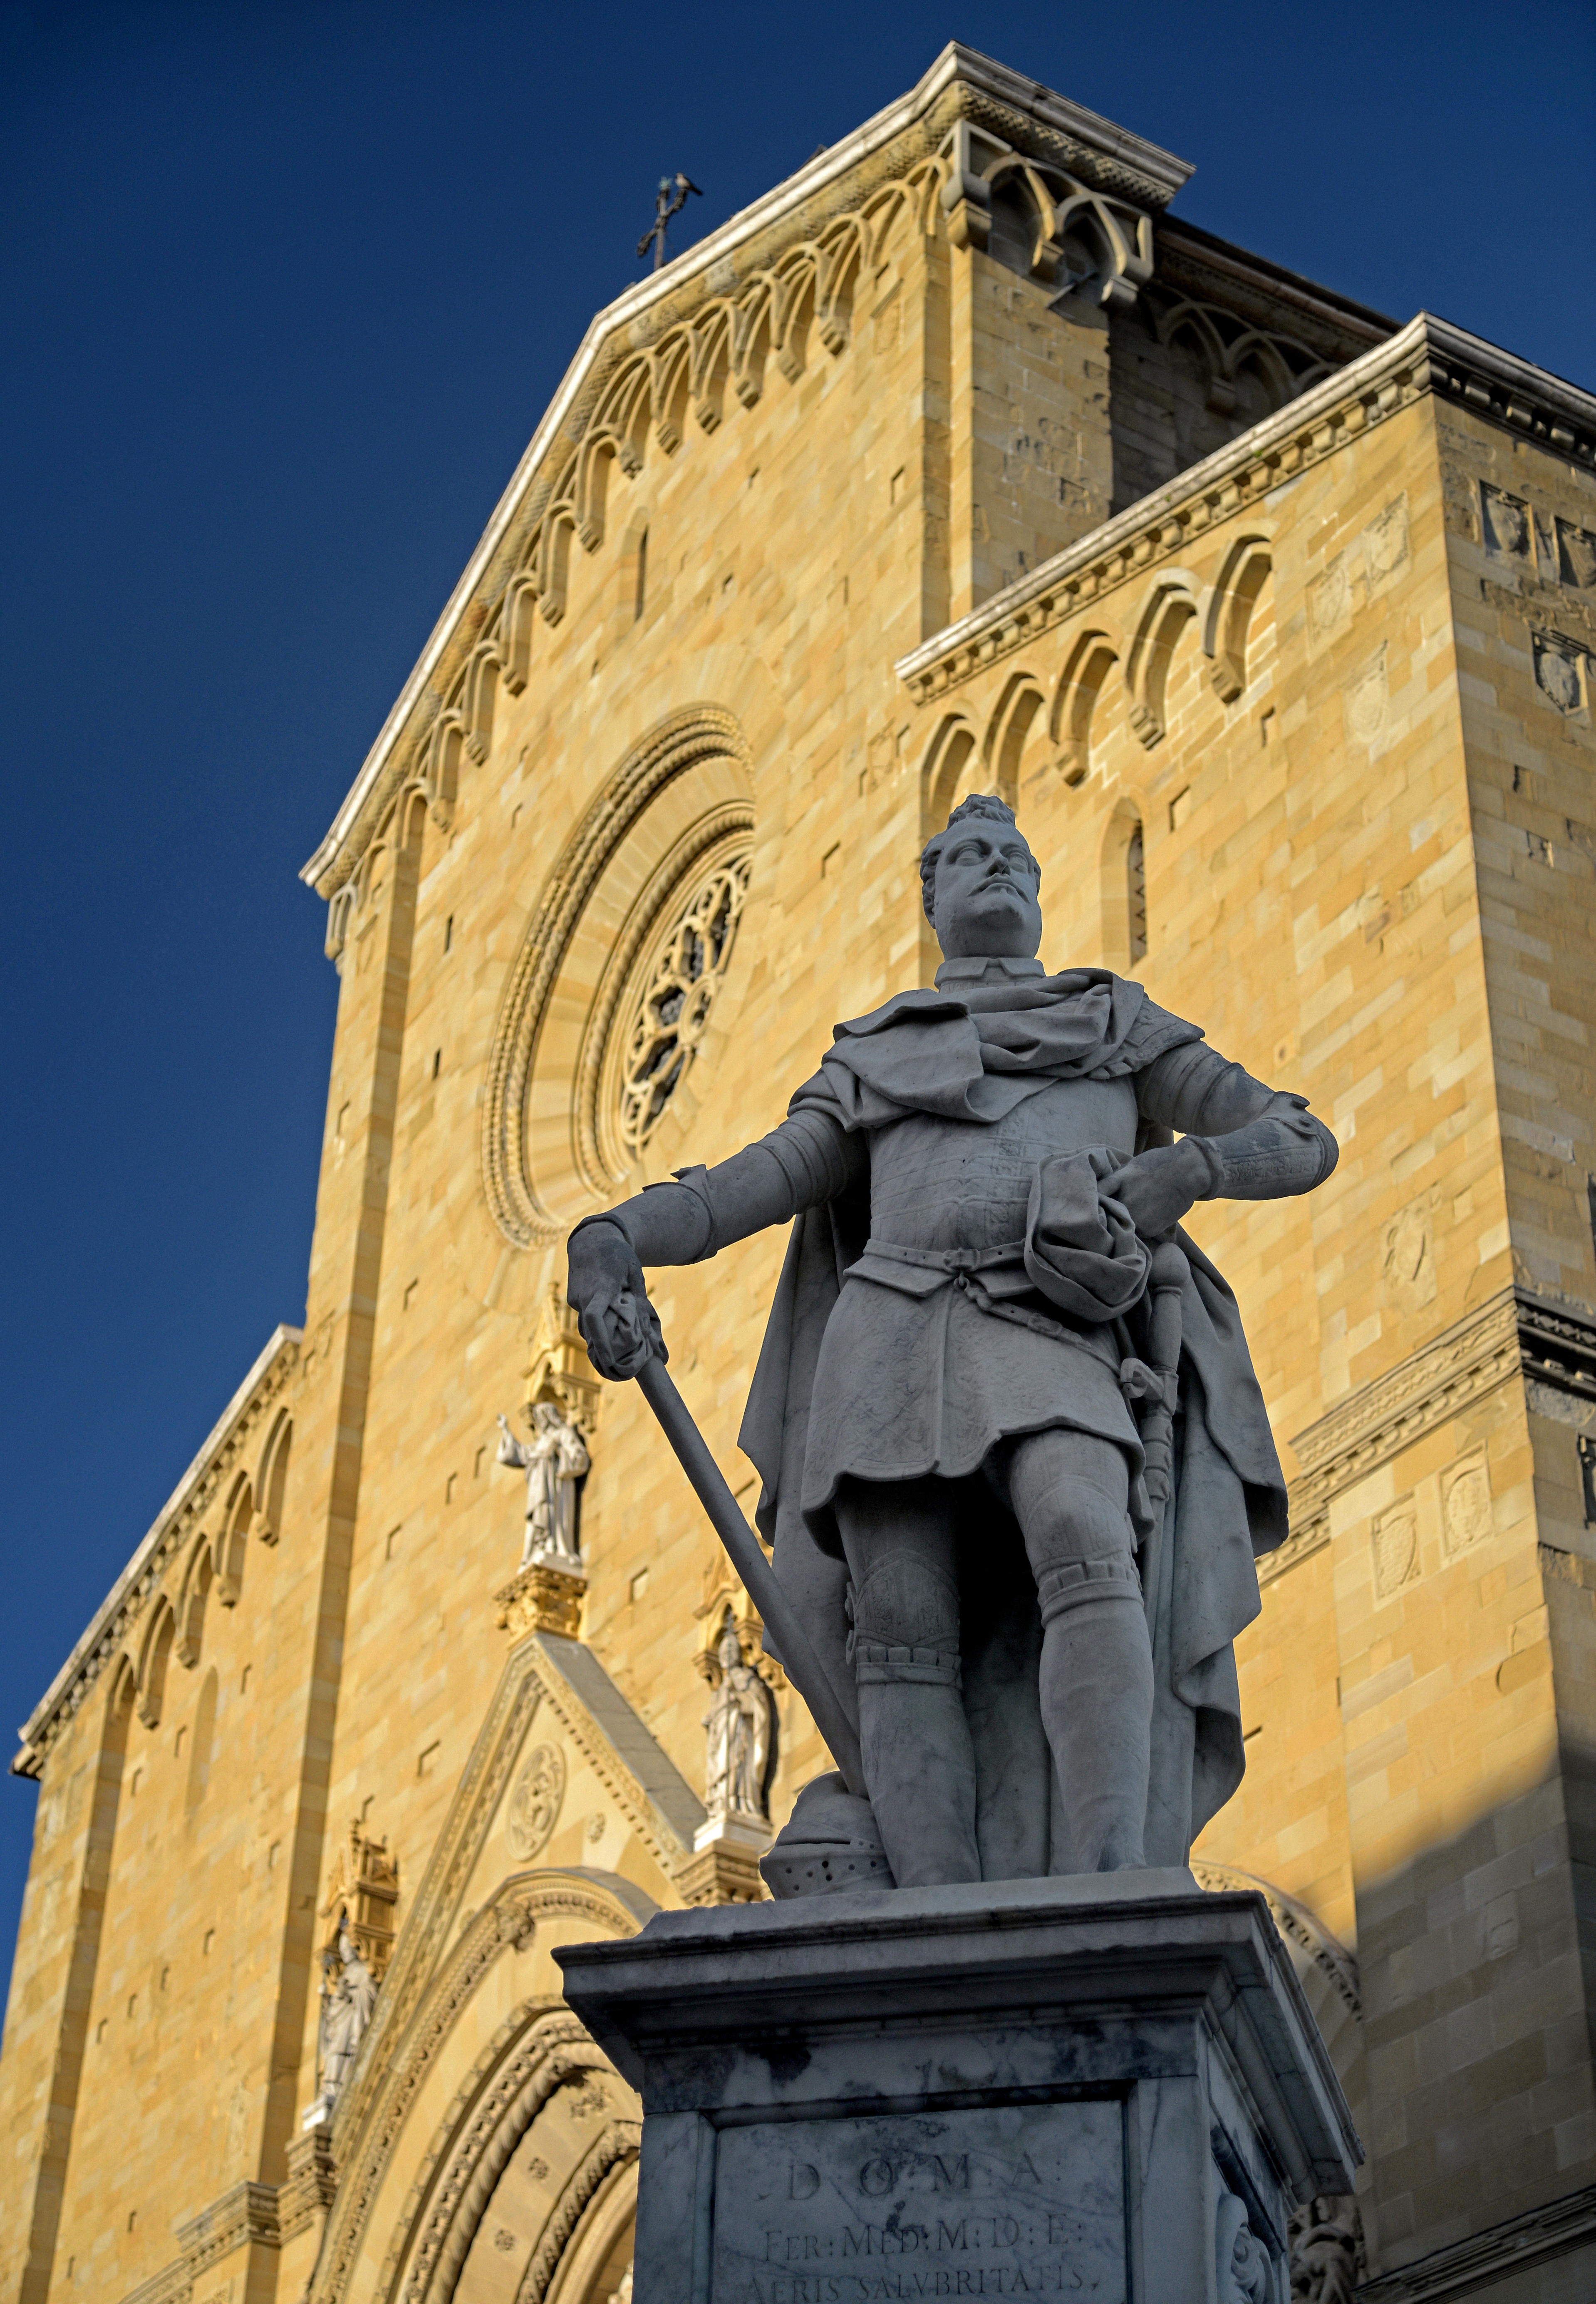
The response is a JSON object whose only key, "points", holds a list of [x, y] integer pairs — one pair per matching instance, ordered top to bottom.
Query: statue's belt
{"points": [[991, 1277]]}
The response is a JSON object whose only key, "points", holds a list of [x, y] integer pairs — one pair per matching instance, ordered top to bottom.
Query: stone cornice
{"points": [[961, 84], [1198, 262], [1428, 356], [1514, 1334], [127, 1597], [1485, 2257]]}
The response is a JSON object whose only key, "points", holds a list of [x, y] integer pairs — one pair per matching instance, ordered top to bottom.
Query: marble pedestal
{"points": [[1105, 2087]]}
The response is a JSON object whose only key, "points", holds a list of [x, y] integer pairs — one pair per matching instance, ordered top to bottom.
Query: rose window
{"points": [[681, 978]]}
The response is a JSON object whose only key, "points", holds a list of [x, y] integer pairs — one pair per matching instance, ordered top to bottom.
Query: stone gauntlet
{"points": [[1283, 1152], [604, 1289]]}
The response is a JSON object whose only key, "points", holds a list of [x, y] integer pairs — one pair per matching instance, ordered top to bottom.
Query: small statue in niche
{"points": [[555, 1460], [739, 1728], [348, 1996], [1325, 2237]]}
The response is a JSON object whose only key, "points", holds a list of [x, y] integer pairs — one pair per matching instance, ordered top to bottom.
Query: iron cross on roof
{"points": [[670, 200]]}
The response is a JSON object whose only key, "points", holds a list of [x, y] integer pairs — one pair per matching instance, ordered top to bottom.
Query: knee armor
{"points": [[900, 1593]]}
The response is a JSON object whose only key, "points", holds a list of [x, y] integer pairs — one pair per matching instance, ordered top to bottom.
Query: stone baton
{"points": [[835, 1710]]}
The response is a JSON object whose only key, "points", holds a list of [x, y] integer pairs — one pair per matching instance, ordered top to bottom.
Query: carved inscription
{"points": [[1008, 2200]]}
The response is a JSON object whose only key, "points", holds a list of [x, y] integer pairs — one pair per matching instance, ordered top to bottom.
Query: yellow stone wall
{"points": [[1308, 676]]}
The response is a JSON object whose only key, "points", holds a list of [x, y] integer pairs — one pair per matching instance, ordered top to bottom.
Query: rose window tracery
{"points": [[675, 990]]}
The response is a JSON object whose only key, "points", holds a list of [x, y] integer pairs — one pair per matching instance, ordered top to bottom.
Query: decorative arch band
{"points": [[699, 732]]}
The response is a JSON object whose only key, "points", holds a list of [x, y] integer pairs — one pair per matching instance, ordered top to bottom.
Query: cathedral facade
{"points": [[954, 463]]}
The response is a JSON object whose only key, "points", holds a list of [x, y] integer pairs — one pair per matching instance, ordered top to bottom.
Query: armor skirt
{"points": [[908, 1384]]}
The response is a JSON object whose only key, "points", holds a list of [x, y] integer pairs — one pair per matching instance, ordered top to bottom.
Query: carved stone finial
{"points": [[559, 1369], [361, 1896]]}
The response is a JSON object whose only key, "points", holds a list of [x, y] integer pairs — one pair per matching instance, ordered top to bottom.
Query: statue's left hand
{"points": [[1159, 1186]]}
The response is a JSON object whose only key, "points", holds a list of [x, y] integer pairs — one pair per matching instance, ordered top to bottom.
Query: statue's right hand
{"points": [[604, 1289]]}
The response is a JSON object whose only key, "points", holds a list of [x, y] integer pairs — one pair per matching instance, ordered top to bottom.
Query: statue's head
{"points": [[979, 882], [544, 1415], [731, 1653]]}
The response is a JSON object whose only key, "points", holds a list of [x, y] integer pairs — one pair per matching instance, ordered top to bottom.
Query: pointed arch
{"points": [[840, 255], [793, 312], [750, 342], [710, 363], [668, 365], [595, 464], [553, 569], [1171, 604], [1229, 618], [516, 623], [479, 691], [1075, 703], [1021, 710], [948, 757], [439, 767], [272, 1480], [236, 1516], [199, 1571], [159, 1633]]}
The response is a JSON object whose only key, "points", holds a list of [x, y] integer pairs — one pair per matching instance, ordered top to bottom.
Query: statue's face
{"points": [[986, 903], [545, 1416]]}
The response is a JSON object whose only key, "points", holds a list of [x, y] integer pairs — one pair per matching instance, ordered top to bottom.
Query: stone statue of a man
{"points": [[945, 1408], [553, 1459], [738, 1729], [348, 1996]]}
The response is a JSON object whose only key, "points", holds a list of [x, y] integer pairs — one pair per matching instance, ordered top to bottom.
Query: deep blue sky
{"points": [[285, 288]]}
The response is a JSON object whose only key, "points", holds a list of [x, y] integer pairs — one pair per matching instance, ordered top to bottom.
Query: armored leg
{"points": [[1069, 1495], [919, 1765]]}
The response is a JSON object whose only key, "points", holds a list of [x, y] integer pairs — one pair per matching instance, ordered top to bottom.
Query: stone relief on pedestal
{"points": [[963, 1413], [555, 1460], [739, 1729], [348, 1996]]}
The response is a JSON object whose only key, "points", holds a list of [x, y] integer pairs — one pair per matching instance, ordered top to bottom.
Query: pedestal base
{"points": [[724, 1866], [1109, 2087]]}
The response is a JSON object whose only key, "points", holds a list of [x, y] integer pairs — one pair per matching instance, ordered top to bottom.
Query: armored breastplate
{"points": [[956, 1183]]}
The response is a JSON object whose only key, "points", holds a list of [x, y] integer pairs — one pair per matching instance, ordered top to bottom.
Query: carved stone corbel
{"points": [[967, 196], [541, 1599]]}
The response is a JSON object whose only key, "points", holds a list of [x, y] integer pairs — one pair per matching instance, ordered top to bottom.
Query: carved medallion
{"points": [[1506, 523], [1556, 670], [1366, 700], [1466, 1504], [1396, 1550], [535, 1803]]}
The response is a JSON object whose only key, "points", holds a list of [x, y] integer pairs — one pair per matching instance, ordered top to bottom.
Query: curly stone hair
{"points": [[977, 804]]}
